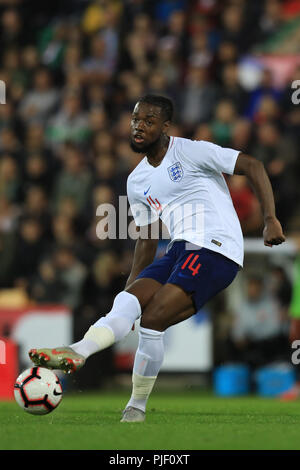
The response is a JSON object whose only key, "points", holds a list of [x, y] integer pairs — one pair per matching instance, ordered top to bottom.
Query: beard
{"points": [[145, 148]]}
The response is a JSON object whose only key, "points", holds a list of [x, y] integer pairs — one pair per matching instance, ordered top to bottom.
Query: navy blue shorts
{"points": [[199, 271]]}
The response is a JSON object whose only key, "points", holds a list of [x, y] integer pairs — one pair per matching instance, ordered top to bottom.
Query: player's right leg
{"points": [[127, 308]]}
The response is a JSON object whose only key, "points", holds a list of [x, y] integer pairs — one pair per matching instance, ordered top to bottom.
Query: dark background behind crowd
{"points": [[73, 72]]}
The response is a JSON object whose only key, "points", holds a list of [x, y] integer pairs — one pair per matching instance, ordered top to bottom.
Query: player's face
{"points": [[147, 127]]}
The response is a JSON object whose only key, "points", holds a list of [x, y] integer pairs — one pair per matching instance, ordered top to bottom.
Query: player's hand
{"points": [[273, 234]]}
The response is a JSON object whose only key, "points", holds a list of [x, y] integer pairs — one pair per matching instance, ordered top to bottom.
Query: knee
{"points": [[154, 319]]}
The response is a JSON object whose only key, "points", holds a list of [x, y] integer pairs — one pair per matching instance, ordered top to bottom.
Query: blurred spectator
{"points": [[99, 15], [271, 19], [233, 26], [176, 31], [12, 33], [51, 43], [140, 44], [227, 53], [201, 54], [72, 59], [30, 61], [168, 61], [99, 65], [15, 75], [158, 84], [232, 89], [265, 89], [96, 95], [198, 98], [41, 100], [268, 111], [8, 118], [97, 120], [70, 123], [223, 123], [122, 127], [204, 132], [242, 134], [35, 139], [10, 143], [103, 143], [278, 154], [127, 158], [105, 170], [37, 172], [74, 180], [10, 183], [102, 194], [37, 205], [9, 213], [102, 213], [64, 233], [30, 247], [7, 255], [72, 273], [102, 284], [45, 287], [281, 288], [258, 335]]}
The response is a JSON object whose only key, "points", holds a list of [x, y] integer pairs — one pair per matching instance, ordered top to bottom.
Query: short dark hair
{"points": [[162, 102]]}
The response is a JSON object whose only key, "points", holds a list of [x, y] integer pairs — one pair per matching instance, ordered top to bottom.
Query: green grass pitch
{"points": [[175, 421]]}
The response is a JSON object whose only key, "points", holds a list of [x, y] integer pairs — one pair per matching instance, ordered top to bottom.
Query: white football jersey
{"points": [[188, 192]]}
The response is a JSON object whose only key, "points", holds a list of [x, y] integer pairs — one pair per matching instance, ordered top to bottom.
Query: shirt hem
{"points": [[209, 247]]}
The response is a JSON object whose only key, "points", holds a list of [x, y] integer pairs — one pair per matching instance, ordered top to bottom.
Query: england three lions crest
{"points": [[176, 172]]}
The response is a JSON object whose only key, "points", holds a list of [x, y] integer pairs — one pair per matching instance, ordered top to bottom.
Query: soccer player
{"points": [[179, 181]]}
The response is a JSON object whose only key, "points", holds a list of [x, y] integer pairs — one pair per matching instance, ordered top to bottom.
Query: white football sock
{"points": [[111, 328], [148, 360]]}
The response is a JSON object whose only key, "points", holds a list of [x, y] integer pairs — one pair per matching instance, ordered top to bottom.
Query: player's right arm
{"points": [[144, 254]]}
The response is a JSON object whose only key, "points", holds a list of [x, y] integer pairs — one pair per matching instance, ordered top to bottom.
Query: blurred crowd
{"points": [[73, 73], [256, 330]]}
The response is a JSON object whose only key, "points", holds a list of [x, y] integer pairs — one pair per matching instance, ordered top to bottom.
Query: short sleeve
{"points": [[211, 157], [141, 213]]}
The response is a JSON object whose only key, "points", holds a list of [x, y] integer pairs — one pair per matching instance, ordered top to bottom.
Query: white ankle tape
{"points": [[101, 335], [142, 386]]}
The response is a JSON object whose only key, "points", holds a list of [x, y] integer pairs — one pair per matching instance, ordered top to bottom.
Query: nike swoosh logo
{"points": [[145, 192], [56, 393]]}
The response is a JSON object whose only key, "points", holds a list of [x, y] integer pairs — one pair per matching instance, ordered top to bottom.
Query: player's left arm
{"points": [[257, 176]]}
